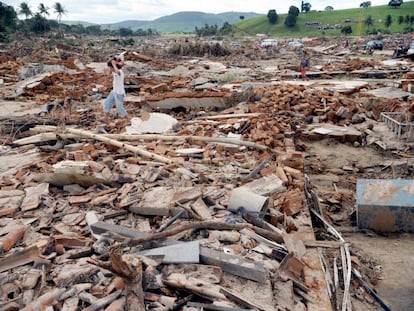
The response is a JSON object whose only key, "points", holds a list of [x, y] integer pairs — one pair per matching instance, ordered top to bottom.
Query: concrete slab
{"points": [[390, 93], [155, 201]]}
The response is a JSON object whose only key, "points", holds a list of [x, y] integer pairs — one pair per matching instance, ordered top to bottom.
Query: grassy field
{"points": [[354, 17]]}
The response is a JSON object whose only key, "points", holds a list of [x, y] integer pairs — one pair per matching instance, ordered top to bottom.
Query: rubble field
{"points": [[234, 185]]}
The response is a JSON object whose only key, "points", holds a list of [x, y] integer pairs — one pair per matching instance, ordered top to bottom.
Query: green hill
{"points": [[182, 21], [133, 24], [307, 24]]}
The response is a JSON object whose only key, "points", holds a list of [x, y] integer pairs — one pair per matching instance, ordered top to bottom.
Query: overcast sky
{"points": [[110, 11]]}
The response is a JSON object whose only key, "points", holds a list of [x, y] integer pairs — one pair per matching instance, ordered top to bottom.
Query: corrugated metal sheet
{"points": [[385, 205]]}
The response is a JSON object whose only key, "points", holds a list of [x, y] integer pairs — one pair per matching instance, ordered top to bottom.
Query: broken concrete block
{"points": [[156, 123], [293, 159], [70, 167], [293, 172], [282, 175], [266, 186], [187, 194], [33, 196], [10, 201], [155, 201], [293, 202], [385, 205], [188, 252]]}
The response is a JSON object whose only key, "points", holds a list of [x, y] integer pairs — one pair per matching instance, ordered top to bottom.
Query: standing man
{"points": [[304, 65], [118, 90]]}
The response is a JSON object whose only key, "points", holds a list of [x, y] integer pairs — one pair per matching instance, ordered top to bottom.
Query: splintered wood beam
{"points": [[47, 135], [137, 150], [210, 225], [117, 232], [19, 258], [235, 265], [48, 299], [100, 303]]}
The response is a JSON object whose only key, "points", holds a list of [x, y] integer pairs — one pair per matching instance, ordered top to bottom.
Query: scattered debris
{"points": [[201, 201]]}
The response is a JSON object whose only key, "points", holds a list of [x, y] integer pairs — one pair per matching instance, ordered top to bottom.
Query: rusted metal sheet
{"points": [[385, 205]]}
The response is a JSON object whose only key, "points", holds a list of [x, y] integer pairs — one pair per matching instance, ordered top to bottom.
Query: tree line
{"points": [[37, 22]]}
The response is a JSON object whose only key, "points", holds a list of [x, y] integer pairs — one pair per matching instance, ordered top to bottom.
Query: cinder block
{"points": [[385, 205]]}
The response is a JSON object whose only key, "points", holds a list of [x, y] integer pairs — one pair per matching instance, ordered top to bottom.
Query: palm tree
{"points": [[25, 10], [43, 10], [60, 10]]}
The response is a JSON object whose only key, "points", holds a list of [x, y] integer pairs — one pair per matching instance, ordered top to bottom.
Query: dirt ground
{"points": [[391, 254], [394, 257]]}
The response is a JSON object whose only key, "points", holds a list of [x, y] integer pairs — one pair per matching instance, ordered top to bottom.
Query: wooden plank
{"points": [[201, 209], [101, 227], [19, 258], [234, 264], [240, 300], [209, 306]]}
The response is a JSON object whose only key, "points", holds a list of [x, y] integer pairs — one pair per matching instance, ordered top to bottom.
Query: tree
{"points": [[395, 3], [365, 4], [306, 7], [329, 8], [25, 10], [43, 10], [59, 10], [293, 10], [272, 16], [40, 19], [400, 19], [8, 20], [290, 20], [369, 21], [388, 21], [39, 23], [226, 29], [94, 30], [207, 30], [346, 30], [124, 32]]}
